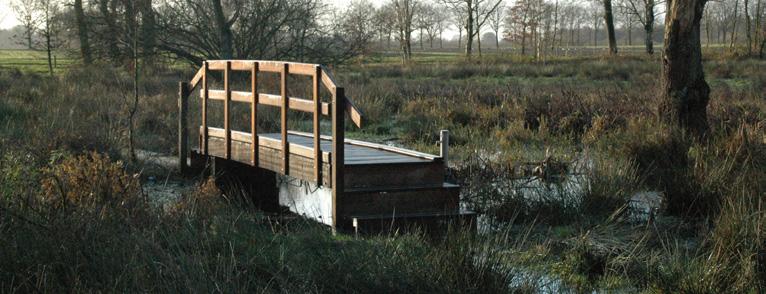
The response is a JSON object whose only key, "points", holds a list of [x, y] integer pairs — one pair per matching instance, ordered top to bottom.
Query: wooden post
{"points": [[205, 96], [285, 107], [226, 111], [254, 114], [317, 133], [183, 134], [338, 141], [444, 145]]}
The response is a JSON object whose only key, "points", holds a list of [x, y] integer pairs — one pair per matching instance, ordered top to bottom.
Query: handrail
{"points": [[306, 69], [336, 109]]}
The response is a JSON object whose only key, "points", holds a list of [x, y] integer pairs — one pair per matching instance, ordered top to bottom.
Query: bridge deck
{"points": [[387, 162]]}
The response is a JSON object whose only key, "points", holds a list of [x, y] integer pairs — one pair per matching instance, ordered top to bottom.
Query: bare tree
{"points": [[476, 12], [644, 12], [405, 13], [26, 15], [429, 18], [458, 18], [519, 18], [442, 19], [384, 21], [609, 21], [495, 23], [50, 28], [82, 32], [685, 92]]}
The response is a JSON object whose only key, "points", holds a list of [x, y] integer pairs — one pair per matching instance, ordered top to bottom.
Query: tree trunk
{"points": [[609, 20], [649, 27], [148, 29], [224, 30], [469, 31], [82, 32], [748, 36], [733, 38], [111, 39], [497, 40], [523, 40], [48, 46], [685, 92]]}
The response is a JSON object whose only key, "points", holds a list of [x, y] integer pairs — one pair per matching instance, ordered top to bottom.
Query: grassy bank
{"points": [[593, 117]]}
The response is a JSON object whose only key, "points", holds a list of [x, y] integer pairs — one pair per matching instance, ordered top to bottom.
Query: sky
{"points": [[8, 17]]}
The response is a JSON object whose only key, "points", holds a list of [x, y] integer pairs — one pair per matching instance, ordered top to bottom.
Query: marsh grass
{"points": [[596, 114]]}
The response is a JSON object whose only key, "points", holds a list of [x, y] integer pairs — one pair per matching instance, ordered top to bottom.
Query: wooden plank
{"points": [[266, 66], [195, 80], [329, 81], [205, 96], [295, 103], [226, 110], [283, 113], [354, 113], [254, 114], [317, 134], [243, 137], [375, 146]]}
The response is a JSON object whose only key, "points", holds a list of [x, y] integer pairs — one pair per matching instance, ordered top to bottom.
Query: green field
{"points": [[34, 61]]}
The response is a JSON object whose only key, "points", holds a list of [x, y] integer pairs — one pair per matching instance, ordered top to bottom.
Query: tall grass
{"points": [[596, 116]]}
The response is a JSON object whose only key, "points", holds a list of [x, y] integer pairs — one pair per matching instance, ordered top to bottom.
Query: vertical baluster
{"points": [[205, 97], [285, 107], [226, 114], [254, 114], [317, 133]]}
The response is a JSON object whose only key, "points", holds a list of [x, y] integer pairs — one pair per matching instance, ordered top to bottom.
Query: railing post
{"points": [[205, 96], [285, 107], [226, 114], [254, 114], [183, 133], [317, 133], [338, 141], [444, 145]]}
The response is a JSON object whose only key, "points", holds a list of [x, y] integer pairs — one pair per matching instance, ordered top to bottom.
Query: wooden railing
{"points": [[336, 109]]}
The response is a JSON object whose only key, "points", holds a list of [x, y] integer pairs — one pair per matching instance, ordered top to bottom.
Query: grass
{"points": [[34, 61], [590, 116]]}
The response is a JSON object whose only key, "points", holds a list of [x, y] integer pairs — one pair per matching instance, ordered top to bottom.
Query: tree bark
{"points": [[609, 20], [649, 26], [148, 29], [224, 30], [469, 30], [82, 32], [748, 35], [733, 38], [112, 49], [685, 92]]}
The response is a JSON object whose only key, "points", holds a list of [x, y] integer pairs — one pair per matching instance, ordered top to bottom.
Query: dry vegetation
{"points": [[74, 218]]}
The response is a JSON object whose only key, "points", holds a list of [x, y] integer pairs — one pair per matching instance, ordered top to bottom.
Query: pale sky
{"points": [[8, 18]]}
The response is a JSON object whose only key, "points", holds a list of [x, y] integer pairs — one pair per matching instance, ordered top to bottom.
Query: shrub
{"points": [[92, 184]]}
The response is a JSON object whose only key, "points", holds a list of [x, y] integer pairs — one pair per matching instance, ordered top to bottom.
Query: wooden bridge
{"points": [[363, 182]]}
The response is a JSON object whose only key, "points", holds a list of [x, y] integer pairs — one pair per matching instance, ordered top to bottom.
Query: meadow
{"points": [[74, 213]]}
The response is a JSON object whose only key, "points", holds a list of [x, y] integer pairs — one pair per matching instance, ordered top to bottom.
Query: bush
{"points": [[92, 184]]}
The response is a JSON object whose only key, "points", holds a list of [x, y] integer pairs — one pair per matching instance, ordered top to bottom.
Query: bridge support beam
{"points": [[183, 131], [338, 145]]}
